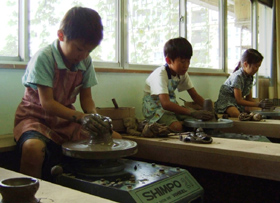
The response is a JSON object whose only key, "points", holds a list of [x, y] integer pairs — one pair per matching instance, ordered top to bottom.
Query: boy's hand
{"points": [[203, 115], [97, 124]]}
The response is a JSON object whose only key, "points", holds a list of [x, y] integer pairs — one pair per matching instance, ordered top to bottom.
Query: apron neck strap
{"points": [[168, 71]]}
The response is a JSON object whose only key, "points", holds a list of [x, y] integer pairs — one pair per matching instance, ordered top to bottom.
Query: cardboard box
{"points": [[117, 115]]}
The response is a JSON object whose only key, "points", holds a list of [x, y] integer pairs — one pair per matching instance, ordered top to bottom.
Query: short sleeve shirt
{"points": [[40, 69], [238, 80], [157, 82]]}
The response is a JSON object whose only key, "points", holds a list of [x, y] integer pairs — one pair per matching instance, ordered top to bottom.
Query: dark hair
{"points": [[83, 24], [178, 48], [252, 56]]}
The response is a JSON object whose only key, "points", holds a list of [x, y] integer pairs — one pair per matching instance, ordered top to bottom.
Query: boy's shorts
{"points": [[168, 118], [53, 152]]}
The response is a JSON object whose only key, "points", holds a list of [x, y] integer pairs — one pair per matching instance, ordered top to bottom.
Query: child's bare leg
{"points": [[233, 112], [176, 126], [32, 158]]}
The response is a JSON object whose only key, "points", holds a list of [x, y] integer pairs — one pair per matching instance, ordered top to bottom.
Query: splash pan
{"points": [[86, 150]]}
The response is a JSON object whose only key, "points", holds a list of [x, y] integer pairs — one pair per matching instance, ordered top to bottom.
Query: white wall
{"points": [[126, 88]]}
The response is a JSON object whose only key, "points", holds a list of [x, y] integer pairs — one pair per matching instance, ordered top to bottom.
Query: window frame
{"points": [[121, 39]]}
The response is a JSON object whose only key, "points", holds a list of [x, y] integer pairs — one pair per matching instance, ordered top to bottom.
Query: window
{"points": [[45, 17], [150, 24], [9, 29], [239, 30], [135, 31], [203, 33], [265, 38]]}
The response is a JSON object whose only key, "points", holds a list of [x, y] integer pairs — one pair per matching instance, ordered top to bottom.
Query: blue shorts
{"points": [[53, 152]]}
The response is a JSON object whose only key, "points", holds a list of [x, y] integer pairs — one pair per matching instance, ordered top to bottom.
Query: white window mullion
{"points": [[183, 18], [254, 23], [119, 29], [23, 30], [223, 35], [124, 37]]}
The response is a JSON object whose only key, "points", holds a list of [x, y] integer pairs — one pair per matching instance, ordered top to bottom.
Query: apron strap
{"points": [[168, 71]]}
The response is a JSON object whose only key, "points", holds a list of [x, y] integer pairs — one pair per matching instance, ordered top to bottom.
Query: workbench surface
{"points": [[265, 127], [249, 158], [49, 192]]}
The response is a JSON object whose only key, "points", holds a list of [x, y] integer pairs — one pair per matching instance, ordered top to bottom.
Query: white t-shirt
{"points": [[157, 82]]}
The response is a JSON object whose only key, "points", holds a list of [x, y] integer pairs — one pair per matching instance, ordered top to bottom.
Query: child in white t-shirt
{"points": [[159, 102]]}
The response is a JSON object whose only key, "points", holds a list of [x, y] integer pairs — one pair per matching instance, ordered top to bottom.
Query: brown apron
{"points": [[31, 116]]}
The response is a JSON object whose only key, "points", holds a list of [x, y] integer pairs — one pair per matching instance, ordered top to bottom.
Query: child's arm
{"points": [[196, 97], [250, 97], [86, 101], [244, 102], [264, 104], [171, 106], [55, 108], [92, 122]]}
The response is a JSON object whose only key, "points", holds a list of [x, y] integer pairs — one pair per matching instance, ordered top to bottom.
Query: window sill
{"points": [[114, 70], [149, 71]]}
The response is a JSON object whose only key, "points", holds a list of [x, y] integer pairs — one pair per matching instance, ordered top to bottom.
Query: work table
{"points": [[265, 127], [242, 157], [249, 158], [49, 192]]}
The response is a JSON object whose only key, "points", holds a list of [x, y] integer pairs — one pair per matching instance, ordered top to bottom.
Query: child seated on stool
{"points": [[54, 77], [235, 95], [159, 101]]}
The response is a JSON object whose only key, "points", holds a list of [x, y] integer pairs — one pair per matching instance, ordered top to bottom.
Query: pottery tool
{"points": [[115, 103]]}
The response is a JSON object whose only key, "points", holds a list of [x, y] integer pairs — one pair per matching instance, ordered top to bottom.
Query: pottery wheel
{"points": [[268, 113], [220, 123], [86, 150], [96, 168]]}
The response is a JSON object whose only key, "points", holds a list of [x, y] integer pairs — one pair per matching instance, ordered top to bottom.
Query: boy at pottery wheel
{"points": [[55, 75], [159, 101]]}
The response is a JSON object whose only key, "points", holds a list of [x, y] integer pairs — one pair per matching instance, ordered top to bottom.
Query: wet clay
{"points": [[208, 106]]}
